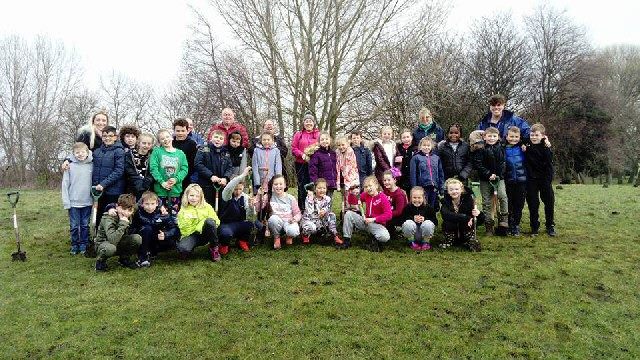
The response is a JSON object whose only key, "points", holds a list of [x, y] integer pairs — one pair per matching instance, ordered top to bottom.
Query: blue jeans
{"points": [[79, 226], [240, 230]]}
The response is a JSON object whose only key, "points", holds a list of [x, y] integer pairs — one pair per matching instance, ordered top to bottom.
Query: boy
{"points": [[502, 119], [129, 137], [188, 146], [237, 153], [363, 156], [490, 163], [136, 166], [539, 166], [169, 167], [214, 167], [108, 169], [515, 178], [76, 196], [234, 214], [158, 229], [112, 235]]}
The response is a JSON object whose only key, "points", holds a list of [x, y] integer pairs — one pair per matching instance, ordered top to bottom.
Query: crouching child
{"points": [[235, 210], [459, 211], [420, 221], [157, 227], [113, 235]]}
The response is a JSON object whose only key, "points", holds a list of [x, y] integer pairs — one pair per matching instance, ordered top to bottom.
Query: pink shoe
{"points": [[415, 246], [425, 246]]}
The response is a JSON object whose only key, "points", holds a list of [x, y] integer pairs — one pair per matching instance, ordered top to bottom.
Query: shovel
{"points": [[13, 200], [91, 247]]}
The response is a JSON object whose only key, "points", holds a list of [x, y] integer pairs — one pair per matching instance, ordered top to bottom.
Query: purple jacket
{"points": [[322, 164]]}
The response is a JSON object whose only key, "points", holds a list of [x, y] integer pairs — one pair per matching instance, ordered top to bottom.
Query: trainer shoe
{"points": [[551, 231], [534, 232], [306, 239], [243, 244], [415, 246], [425, 246], [224, 249], [75, 250], [214, 251], [143, 263], [101, 265]]}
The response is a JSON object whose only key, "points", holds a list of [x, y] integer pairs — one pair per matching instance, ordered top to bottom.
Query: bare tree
{"points": [[115, 94]]}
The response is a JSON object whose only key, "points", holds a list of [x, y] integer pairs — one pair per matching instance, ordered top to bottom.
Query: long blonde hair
{"points": [[185, 197]]}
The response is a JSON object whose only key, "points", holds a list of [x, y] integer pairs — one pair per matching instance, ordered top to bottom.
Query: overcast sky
{"points": [[144, 38]]}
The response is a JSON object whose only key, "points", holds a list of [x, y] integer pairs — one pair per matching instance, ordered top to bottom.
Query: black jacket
{"points": [[190, 149], [490, 160], [210, 161], [538, 161], [455, 162], [405, 166], [136, 170], [425, 210], [452, 220], [167, 223]]}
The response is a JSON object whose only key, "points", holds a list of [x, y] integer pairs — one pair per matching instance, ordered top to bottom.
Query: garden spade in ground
{"points": [[13, 200]]}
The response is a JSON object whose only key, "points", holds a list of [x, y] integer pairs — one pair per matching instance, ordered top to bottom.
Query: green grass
{"points": [[574, 296]]}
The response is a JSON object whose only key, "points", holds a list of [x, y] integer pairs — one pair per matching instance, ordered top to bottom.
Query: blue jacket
{"points": [[507, 120], [436, 133], [364, 160], [210, 161], [515, 166], [108, 168], [426, 170], [167, 223]]}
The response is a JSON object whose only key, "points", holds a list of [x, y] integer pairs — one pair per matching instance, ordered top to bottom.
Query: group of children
{"points": [[386, 188]]}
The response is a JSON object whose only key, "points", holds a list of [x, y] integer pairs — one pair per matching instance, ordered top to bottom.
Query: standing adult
{"points": [[502, 119], [229, 125], [269, 127], [427, 127], [91, 133], [194, 135], [307, 136]]}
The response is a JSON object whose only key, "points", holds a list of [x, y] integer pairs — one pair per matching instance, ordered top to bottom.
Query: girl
{"points": [[302, 139], [384, 152], [404, 152], [455, 156], [266, 162], [323, 164], [346, 164], [136, 166], [168, 167], [426, 171], [397, 198], [235, 211], [285, 213], [377, 213], [458, 213], [318, 215], [419, 221], [197, 222]]}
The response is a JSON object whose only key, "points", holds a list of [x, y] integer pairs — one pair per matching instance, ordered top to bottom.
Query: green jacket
{"points": [[165, 165], [111, 229]]}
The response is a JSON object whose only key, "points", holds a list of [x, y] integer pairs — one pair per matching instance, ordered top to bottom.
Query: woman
{"points": [[427, 127], [91, 133], [309, 135]]}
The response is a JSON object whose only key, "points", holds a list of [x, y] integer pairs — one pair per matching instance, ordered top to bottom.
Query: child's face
{"points": [[496, 110], [99, 122], [181, 132], [386, 135], [454, 135], [536, 137], [109, 138], [406, 138], [490, 138], [513, 138], [165, 139], [356, 139], [130, 140], [217, 140], [267, 141], [325, 141], [234, 142], [145, 145], [342, 146], [425, 147], [80, 154], [388, 181], [278, 186], [370, 188], [321, 189], [454, 190], [237, 191], [355, 191], [193, 197], [417, 198], [150, 205], [123, 212]]}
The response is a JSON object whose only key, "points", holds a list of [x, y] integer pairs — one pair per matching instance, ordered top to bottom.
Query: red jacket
{"points": [[236, 126], [301, 140], [398, 201], [377, 207]]}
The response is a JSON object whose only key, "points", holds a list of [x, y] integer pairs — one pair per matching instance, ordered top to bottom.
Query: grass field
{"points": [[573, 296]]}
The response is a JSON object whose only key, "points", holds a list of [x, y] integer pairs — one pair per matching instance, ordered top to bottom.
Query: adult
{"points": [[503, 119], [229, 125], [269, 127], [427, 127], [91, 133], [194, 135], [307, 136]]}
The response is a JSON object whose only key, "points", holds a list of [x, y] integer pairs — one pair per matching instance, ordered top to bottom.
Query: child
{"points": [[129, 137], [188, 146], [384, 152], [404, 152], [238, 153], [455, 156], [364, 158], [266, 161], [323, 164], [490, 164], [347, 165], [539, 165], [136, 166], [168, 167], [214, 167], [108, 170], [426, 171], [515, 179], [76, 196], [397, 199], [353, 200], [234, 213], [285, 213], [377, 213], [458, 213], [318, 215], [420, 221], [197, 222], [157, 228], [112, 235]]}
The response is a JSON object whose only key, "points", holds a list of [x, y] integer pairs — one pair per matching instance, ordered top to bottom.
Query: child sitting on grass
{"points": [[76, 196], [459, 211], [285, 213], [318, 214], [377, 214], [420, 221], [197, 222], [158, 228], [113, 238]]}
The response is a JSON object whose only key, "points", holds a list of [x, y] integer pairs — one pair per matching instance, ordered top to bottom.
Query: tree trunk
{"points": [[634, 172]]}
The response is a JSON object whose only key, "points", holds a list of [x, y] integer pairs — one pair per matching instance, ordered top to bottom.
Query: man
{"points": [[503, 119], [229, 125]]}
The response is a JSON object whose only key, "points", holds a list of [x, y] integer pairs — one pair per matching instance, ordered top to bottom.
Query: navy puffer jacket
{"points": [[108, 168]]}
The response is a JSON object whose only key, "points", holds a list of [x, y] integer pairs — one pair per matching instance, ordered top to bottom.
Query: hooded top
{"points": [[507, 120], [268, 158], [323, 165], [76, 183], [377, 207]]}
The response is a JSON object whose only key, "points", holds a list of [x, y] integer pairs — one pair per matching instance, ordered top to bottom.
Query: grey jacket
{"points": [[76, 183]]}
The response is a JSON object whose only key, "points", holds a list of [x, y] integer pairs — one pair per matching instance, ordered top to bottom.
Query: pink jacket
{"points": [[236, 126], [301, 140], [347, 166], [377, 207]]}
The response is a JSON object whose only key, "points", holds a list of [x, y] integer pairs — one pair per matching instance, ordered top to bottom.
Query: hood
{"points": [[506, 115]]}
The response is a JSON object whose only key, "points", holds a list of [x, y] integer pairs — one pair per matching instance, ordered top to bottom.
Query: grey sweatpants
{"points": [[356, 221], [277, 226], [412, 231]]}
